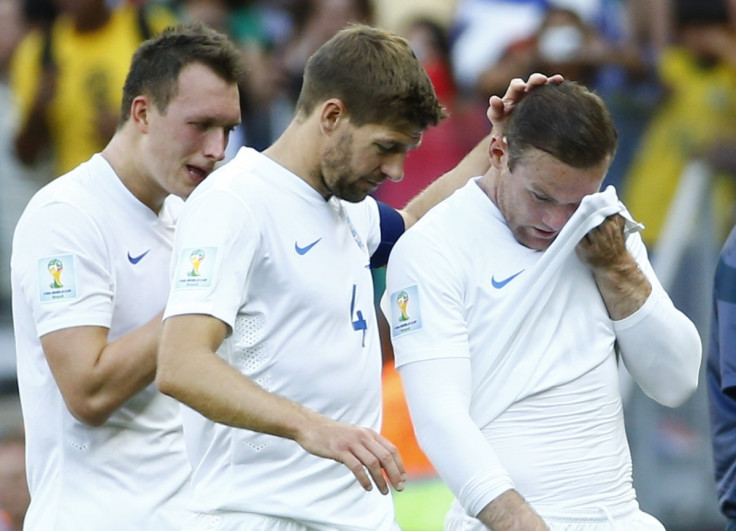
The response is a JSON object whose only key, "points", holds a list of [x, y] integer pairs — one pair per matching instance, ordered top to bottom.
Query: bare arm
{"points": [[473, 164], [623, 286], [659, 345], [192, 372], [96, 377], [509, 512]]}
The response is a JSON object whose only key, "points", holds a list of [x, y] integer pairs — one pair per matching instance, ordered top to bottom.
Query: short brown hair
{"points": [[157, 63], [376, 75], [565, 120]]}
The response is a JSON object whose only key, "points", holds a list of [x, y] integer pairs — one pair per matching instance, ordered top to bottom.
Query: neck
{"points": [[298, 150], [120, 154], [487, 183]]}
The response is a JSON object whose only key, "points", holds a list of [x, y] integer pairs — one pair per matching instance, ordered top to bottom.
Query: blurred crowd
{"points": [[666, 69]]}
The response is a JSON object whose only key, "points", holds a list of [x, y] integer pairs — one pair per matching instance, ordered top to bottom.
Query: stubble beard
{"points": [[336, 164]]}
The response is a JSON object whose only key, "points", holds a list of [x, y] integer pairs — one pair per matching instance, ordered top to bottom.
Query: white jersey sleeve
{"points": [[209, 270], [64, 276], [424, 304], [659, 345], [442, 424]]}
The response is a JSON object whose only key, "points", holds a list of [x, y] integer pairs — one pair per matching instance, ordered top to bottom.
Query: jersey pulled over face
{"points": [[540, 195]]}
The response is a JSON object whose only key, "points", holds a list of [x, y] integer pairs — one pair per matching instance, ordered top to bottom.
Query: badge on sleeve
{"points": [[194, 268], [57, 278], [405, 313]]}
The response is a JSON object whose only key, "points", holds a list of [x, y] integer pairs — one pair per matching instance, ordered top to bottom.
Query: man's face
{"points": [[189, 137], [358, 159], [540, 195]]}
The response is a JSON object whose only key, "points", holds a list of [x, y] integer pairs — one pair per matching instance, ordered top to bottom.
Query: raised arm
{"points": [[623, 286], [659, 345], [192, 372]]}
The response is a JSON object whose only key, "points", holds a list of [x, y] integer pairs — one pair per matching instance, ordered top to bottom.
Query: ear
{"points": [[139, 112], [332, 114], [498, 151]]}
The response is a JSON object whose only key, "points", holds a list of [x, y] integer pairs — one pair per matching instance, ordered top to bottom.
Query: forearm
{"points": [[473, 164], [622, 283], [623, 286], [661, 349], [192, 372], [196, 376], [96, 377], [235, 400], [442, 421], [509, 512]]}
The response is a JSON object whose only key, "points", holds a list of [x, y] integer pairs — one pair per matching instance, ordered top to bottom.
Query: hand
{"points": [[500, 108], [604, 246], [623, 286], [359, 449], [509, 512]]}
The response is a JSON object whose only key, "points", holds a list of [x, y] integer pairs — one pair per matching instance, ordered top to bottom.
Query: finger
{"points": [[536, 79], [555, 79], [516, 90], [495, 108], [499, 108], [372, 463], [391, 463], [356, 467]]}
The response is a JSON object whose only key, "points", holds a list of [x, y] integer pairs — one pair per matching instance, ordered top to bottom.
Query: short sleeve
{"points": [[215, 243], [65, 275], [424, 302]]}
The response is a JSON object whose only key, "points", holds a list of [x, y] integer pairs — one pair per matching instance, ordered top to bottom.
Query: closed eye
{"points": [[200, 126], [385, 149], [541, 197]]}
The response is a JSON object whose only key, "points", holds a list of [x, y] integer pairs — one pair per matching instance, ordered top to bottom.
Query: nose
{"points": [[216, 143], [393, 167], [557, 215]]}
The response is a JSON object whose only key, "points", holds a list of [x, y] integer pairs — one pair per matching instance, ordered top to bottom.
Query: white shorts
{"points": [[626, 518], [236, 521]]}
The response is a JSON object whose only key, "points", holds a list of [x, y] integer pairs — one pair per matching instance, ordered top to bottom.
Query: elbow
{"points": [[166, 380], [683, 380], [679, 392], [674, 400], [93, 411]]}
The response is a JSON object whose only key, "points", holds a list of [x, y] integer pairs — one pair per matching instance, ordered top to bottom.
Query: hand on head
{"points": [[500, 108]]}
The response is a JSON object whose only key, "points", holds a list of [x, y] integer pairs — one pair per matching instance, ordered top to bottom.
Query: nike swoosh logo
{"points": [[305, 250], [135, 259], [498, 284]]}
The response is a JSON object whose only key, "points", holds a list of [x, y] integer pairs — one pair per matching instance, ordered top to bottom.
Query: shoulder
{"points": [[82, 189], [449, 220]]}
